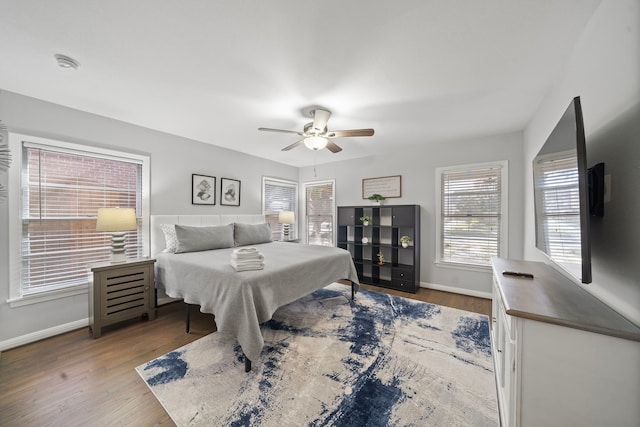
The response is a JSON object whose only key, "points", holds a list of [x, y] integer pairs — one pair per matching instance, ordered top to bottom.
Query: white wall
{"points": [[604, 70], [173, 160], [417, 168]]}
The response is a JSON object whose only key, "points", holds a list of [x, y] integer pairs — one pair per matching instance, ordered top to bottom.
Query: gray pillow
{"points": [[251, 234], [194, 239]]}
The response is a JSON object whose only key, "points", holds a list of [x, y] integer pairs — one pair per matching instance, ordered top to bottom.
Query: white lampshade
{"points": [[315, 142], [286, 217], [116, 219]]}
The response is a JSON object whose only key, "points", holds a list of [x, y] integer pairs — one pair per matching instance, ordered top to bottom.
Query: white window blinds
{"points": [[61, 193], [279, 195], [320, 207], [558, 207], [471, 215]]}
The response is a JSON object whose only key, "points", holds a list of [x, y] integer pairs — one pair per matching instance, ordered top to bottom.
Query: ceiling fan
{"points": [[316, 135]]}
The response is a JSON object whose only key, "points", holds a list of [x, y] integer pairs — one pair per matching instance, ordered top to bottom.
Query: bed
{"points": [[241, 301]]}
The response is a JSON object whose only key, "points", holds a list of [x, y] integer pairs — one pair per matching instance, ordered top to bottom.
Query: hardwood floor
{"points": [[75, 380]]}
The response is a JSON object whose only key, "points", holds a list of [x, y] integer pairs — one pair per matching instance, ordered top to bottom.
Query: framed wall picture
{"points": [[387, 186], [203, 189], [229, 192]]}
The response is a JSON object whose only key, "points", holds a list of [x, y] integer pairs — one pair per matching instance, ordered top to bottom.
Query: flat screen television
{"points": [[566, 194]]}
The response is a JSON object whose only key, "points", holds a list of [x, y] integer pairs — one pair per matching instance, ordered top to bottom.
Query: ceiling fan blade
{"points": [[320, 119], [281, 131], [351, 132], [294, 145], [333, 147]]}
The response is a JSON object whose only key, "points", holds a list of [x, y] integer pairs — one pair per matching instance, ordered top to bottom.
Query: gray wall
{"points": [[604, 71], [173, 160], [417, 167]]}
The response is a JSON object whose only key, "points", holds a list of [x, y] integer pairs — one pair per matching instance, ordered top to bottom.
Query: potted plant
{"points": [[376, 198], [365, 219], [404, 240]]}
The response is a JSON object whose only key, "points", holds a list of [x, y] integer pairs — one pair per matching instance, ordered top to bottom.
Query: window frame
{"points": [[503, 166], [333, 208], [296, 211], [16, 296]]}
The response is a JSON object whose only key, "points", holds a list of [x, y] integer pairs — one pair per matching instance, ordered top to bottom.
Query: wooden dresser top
{"points": [[552, 298]]}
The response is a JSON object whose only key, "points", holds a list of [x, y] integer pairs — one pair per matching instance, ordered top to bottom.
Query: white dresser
{"points": [[562, 357]]}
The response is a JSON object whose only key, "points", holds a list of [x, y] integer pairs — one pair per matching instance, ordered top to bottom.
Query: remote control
{"points": [[518, 274]]}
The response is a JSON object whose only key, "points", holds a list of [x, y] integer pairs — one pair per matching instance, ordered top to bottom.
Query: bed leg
{"points": [[353, 291], [188, 317], [247, 363]]}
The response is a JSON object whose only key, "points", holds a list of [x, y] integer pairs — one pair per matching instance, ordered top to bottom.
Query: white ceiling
{"points": [[416, 71]]}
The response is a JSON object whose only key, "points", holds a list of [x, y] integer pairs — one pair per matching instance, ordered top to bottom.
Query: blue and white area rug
{"points": [[380, 360]]}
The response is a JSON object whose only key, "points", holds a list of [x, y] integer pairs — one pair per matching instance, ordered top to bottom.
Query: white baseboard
{"points": [[455, 290], [45, 333]]}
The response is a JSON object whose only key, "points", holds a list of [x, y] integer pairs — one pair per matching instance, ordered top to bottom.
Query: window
{"points": [[62, 186], [279, 195], [558, 206], [319, 212], [472, 216]]}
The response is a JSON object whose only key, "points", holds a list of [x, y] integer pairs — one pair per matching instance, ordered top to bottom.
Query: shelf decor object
{"points": [[286, 218], [117, 221], [377, 250]]}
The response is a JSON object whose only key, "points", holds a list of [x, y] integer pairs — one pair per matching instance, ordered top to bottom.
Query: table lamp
{"points": [[286, 218], [117, 221]]}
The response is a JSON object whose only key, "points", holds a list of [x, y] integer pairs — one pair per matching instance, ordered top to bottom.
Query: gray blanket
{"points": [[240, 301]]}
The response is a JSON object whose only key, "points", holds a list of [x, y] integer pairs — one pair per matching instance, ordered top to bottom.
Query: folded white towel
{"points": [[245, 250], [253, 256], [257, 257], [247, 258], [247, 262], [247, 267]]}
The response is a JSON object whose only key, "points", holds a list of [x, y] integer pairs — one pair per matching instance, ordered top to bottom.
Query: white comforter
{"points": [[242, 300]]}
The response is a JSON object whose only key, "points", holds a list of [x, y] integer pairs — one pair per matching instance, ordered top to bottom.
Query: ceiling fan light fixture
{"points": [[315, 142]]}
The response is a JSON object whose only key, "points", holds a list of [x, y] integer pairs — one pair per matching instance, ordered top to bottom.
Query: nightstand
{"points": [[121, 291]]}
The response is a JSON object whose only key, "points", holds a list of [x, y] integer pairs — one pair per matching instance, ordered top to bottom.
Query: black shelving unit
{"points": [[400, 268]]}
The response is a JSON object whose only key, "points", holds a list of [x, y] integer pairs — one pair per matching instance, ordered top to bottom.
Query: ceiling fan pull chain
{"points": [[315, 157]]}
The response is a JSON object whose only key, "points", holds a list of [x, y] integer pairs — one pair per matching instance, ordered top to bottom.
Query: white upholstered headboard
{"points": [[157, 237]]}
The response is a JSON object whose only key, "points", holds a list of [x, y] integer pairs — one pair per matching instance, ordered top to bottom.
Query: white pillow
{"points": [[170, 237]]}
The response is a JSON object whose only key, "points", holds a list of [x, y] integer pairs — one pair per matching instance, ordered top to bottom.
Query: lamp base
{"points": [[285, 232], [118, 247]]}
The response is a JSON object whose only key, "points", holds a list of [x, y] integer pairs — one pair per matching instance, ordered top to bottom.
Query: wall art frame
{"points": [[387, 186], [203, 189], [229, 192]]}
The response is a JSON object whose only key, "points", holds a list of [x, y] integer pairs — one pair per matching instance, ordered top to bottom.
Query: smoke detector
{"points": [[65, 61]]}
